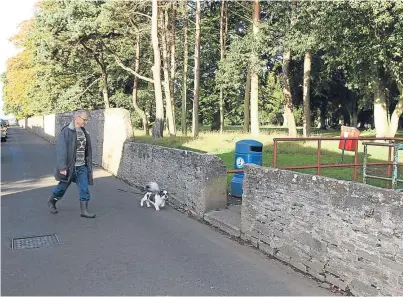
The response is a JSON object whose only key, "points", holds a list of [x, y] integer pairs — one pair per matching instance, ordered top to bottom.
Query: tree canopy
{"points": [[253, 58]]}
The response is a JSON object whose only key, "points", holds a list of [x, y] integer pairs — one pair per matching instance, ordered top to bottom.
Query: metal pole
{"points": [[342, 152], [275, 154], [318, 157], [355, 161], [395, 162], [364, 165], [389, 165]]}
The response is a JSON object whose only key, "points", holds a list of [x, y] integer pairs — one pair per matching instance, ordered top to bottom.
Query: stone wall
{"points": [[23, 123], [35, 124], [108, 128], [117, 129], [49, 131], [197, 182], [346, 233]]}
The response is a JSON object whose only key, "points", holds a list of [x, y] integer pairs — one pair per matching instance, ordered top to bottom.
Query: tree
{"points": [[130, 21], [223, 37], [68, 39], [366, 42], [88, 55], [173, 61], [185, 69], [19, 78], [254, 78], [18, 84], [167, 85], [306, 96], [288, 101], [246, 105], [141, 112], [195, 119], [158, 128]]}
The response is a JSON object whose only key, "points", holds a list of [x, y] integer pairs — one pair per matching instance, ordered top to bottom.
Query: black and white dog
{"points": [[155, 196]]}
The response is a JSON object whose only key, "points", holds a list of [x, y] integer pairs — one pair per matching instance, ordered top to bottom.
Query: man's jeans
{"points": [[80, 177]]}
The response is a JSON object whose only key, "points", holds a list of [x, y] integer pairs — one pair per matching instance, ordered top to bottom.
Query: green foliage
{"points": [[352, 43], [271, 104]]}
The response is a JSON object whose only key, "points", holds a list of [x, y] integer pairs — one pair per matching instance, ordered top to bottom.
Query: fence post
{"points": [[275, 154], [318, 157], [355, 162], [364, 165], [389, 165]]}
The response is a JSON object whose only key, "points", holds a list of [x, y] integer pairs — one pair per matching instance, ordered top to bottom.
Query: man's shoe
{"points": [[52, 205], [84, 210]]}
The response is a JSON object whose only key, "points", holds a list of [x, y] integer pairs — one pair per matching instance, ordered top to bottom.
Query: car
{"points": [[3, 132]]}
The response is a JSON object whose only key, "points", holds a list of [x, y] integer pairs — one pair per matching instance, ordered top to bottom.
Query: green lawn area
{"points": [[288, 153]]}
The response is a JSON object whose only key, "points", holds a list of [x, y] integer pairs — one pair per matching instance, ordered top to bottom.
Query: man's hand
{"points": [[63, 172]]}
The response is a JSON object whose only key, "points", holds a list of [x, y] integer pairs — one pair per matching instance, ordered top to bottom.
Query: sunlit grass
{"points": [[207, 141], [294, 153]]}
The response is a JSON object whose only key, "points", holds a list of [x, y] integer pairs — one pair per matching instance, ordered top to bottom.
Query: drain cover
{"points": [[34, 242]]}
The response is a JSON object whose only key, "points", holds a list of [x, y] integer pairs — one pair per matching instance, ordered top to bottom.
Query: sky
{"points": [[12, 13]]}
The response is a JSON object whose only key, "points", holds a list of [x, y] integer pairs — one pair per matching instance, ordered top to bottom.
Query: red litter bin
{"points": [[349, 144]]}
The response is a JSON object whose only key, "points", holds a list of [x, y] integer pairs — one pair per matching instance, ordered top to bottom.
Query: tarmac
{"points": [[126, 249]]}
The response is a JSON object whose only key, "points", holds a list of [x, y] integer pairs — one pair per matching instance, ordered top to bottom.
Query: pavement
{"points": [[227, 220], [126, 249]]}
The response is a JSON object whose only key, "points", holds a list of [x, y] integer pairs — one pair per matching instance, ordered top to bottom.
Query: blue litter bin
{"points": [[246, 151]]}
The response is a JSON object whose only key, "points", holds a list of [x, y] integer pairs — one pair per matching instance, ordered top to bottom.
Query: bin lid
{"points": [[348, 129], [247, 145]]}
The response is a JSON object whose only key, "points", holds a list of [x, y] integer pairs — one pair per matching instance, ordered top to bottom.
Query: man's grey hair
{"points": [[81, 112]]}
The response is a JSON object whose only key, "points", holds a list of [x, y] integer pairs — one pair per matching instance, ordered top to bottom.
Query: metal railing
{"points": [[319, 165], [394, 178]]}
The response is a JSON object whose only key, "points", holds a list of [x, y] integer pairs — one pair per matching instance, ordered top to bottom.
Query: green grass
{"points": [[288, 153]]}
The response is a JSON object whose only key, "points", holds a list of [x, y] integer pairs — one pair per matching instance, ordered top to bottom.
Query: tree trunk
{"points": [[222, 51], [100, 61], [173, 62], [185, 70], [135, 72], [254, 78], [105, 87], [105, 90], [306, 95], [168, 102], [288, 102], [246, 105], [288, 105], [221, 107], [139, 111], [354, 111], [397, 113], [322, 114], [381, 117], [195, 119], [321, 121], [285, 122], [385, 125], [158, 128]]}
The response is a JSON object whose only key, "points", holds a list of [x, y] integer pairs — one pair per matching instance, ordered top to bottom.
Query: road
{"points": [[126, 249]]}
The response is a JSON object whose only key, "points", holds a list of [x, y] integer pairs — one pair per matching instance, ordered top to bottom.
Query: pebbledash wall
{"points": [[196, 182], [348, 234]]}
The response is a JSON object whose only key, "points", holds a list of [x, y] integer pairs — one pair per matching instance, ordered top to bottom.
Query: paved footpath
{"points": [[126, 250]]}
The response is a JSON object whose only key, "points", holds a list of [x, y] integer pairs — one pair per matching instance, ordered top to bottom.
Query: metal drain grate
{"points": [[34, 242]]}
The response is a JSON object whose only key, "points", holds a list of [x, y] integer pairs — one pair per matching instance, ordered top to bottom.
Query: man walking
{"points": [[74, 162]]}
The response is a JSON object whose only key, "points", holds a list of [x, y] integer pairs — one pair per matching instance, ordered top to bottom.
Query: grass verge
{"points": [[288, 153]]}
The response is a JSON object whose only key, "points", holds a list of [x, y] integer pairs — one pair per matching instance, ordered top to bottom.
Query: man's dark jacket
{"points": [[66, 154]]}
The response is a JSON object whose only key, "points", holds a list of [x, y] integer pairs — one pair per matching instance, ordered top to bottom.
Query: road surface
{"points": [[126, 249]]}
